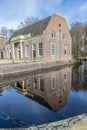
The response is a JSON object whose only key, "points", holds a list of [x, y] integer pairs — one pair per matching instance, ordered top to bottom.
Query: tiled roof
{"points": [[34, 29]]}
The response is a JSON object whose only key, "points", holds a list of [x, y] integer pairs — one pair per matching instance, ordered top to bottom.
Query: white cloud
{"points": [[83, 7], [18, 10], [15, 11], [9, 24]]}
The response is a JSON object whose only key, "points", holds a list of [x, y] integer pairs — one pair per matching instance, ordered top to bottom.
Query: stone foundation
{"points": [[32, 66]]}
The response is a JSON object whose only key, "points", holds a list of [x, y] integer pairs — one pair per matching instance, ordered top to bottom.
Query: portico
{"points": [[17, 48]]}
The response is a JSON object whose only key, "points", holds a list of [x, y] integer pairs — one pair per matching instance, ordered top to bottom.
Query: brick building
{"points": [[46, 40], [5, 49], [49, 89]]}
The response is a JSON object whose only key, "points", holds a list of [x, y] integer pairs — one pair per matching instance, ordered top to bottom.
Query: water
{"points": [[44, 97]]}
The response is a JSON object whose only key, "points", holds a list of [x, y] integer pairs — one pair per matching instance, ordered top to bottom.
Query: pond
{"points": [[43, 97]]}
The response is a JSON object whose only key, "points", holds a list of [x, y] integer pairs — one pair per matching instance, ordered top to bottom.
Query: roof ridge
{"points": [[34, 23], [36, 28]]}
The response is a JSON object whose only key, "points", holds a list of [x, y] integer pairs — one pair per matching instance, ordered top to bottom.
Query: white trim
{"points": [[53, 34], [64, 36], [42, 49], [54, 49], [65, 49], [26, 51], [65, 79], [43, 83], [52, 85], [64, 89]]}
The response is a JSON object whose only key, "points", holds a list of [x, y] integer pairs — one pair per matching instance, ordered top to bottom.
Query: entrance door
{"points": [[34, 54], [1, 55]]}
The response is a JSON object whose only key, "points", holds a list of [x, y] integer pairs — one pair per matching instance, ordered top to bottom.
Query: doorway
{"points": [[2, 57]]}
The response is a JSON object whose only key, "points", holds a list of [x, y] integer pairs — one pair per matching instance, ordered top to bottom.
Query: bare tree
{"points": [[28, 21], [3, 31], [7, 32], [77, 37], [85, 38]]}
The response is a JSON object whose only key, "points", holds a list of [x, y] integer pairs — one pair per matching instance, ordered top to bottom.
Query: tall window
{"points": [[53, 34], [64, 36], [40, 49], [53, 49], [65, 50], [27, 51], [65, 77], [35, 82], [53, 82], [41, 84], [64, 89]]}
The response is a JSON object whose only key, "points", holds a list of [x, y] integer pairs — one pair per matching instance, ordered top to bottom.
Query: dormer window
{"points": [[53, 34]]}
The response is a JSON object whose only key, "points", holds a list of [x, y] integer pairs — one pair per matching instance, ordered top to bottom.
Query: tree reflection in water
{"points": [[79, 77]]}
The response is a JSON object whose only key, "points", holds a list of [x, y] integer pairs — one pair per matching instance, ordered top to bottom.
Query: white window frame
{"points": [[53, 34], [64, 36], [40, 49], [53, 50], [65, 50], [26, 51], [65, 77], [53, 82], [35, 83], [40, 84], [64, 89], [54, 95]]}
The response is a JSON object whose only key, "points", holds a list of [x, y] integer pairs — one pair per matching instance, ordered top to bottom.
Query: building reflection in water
{"points": [[49, 89]]}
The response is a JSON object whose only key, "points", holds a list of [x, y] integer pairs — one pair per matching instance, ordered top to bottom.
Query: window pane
{"points": [[53, 34], [64, 36], [40, 49], [53, 49], [65, 50], [65, 77], [53, 82], [35, 83], [41, 84]]}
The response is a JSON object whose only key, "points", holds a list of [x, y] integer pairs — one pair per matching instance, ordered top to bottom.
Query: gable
{"points": [[34, 29]]}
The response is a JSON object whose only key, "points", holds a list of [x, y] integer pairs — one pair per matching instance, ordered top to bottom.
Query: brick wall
{"points": [[53, 26], [5, 49], [56, 97]]}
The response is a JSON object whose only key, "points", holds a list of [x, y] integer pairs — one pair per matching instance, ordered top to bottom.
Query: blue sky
{"points": [[12, 12]]}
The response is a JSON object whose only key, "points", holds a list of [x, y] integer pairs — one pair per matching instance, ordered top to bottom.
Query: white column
{"points": [[21, 49], [13, 52], [23, 84]]}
